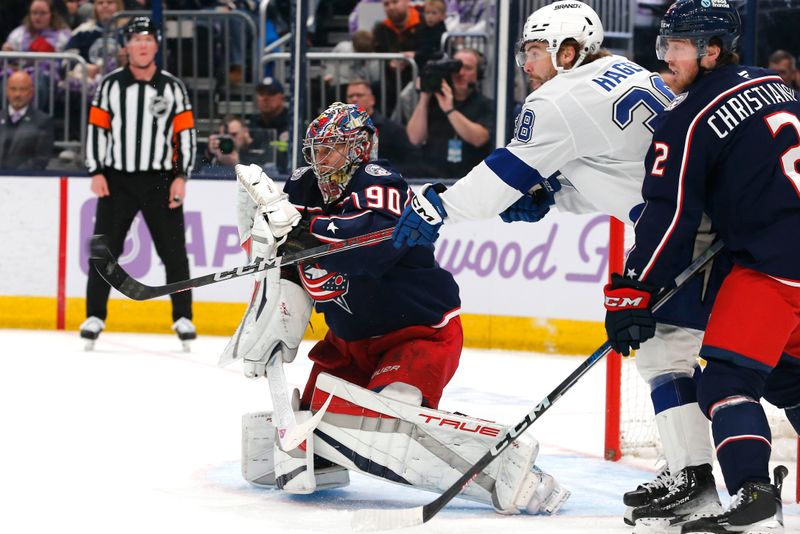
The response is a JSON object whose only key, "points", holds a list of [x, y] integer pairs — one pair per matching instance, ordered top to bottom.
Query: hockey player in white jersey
{"points": [[579, 143]]}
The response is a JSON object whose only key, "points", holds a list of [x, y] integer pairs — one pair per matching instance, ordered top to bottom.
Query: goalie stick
{"points": [[111, 271], [384, 519]]}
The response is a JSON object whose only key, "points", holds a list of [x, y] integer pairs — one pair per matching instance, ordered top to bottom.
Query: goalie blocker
{"points": [[399, 442]]}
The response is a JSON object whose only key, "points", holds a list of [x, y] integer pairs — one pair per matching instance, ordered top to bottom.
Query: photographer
{"points": [[452, 122], [232, 146]]}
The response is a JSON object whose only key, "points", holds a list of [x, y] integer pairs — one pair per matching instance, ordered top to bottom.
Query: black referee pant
{"points": [[130, 193]]}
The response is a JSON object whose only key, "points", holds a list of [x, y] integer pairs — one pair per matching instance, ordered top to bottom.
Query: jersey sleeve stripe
{"points": [[684, 162], [512, 170]]}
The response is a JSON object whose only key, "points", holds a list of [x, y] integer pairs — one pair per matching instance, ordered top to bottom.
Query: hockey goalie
{"points": [[394, 338]]}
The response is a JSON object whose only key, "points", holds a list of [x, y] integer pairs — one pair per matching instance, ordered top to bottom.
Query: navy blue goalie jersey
{"points": [[730, 147], [373, 290]]}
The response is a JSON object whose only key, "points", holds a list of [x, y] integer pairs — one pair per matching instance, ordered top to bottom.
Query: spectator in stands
{"points": [[76, 12], [42, 30], [398, 32], [430, 35], [87, 40], [785, 65], [342, 72], [454, 126], [270, 127], [26, 134], [393, 143], [233, 145]]}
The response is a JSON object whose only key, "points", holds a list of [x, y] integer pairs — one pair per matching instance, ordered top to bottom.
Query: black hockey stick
{"points": [[108, 267], [368, 520]]}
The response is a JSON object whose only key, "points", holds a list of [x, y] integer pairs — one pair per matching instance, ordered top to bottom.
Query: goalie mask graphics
{"points": [[336, 143]]}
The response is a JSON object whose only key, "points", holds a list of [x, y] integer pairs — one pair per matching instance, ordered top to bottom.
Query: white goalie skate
{"points": [[90, 331], [186, 332]]}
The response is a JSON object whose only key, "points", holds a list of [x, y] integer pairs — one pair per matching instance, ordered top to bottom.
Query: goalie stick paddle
{"points": [[111, 271], [384, 519]]}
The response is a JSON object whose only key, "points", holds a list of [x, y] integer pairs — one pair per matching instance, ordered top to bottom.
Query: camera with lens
{"points": [[437, 70], [226, 144]]}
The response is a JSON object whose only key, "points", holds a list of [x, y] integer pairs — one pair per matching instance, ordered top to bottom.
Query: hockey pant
{"points": [[402, 443]]}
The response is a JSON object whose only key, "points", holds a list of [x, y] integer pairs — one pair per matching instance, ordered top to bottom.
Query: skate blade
{"points": [[89, 345], [187, 346], [627, 517], [655, 525]]}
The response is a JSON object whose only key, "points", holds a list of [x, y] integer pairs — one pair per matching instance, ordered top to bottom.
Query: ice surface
{"points": [[139, 436]]}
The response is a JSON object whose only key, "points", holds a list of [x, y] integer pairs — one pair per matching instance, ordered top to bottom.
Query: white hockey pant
{"points": [[664, 362], [429, 449]]}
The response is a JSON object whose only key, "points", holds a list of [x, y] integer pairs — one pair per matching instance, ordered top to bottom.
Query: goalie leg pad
{"points": [[258, 443], [428, 449], [265, 464]]}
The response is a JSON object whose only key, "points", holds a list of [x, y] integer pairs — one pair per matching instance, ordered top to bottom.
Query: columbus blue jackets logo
{"points": [[323, 286]]}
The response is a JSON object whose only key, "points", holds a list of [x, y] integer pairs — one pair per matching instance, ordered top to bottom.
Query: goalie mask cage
{"points": [[630, 427]]}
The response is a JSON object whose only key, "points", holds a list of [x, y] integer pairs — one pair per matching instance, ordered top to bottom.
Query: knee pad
{"points": [[721, 379], [403, 392]]}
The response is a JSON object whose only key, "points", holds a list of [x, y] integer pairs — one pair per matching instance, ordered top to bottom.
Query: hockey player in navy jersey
{"points": [[581, 138], [729, 146], [394, 337]]}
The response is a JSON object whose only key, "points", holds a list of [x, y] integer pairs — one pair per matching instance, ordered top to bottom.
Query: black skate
{"points": [[90, 331], [186, 332], [645, 493], [692, 494], [755, 509]]}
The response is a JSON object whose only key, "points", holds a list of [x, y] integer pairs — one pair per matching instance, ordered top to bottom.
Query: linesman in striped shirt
{"points": [[140, 148]]}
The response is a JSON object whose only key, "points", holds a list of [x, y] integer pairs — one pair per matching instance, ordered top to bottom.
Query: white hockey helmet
{"points": [[567, 19]]}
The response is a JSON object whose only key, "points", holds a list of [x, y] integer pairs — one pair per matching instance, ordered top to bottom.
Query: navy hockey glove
{"points": [[533, 206], [419, 224], [629, 320]]}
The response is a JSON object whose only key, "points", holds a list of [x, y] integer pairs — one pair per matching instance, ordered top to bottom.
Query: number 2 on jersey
{"points": [[791, 157]]}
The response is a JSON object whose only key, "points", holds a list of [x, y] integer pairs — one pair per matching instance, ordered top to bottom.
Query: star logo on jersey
{"points": [[744, 74], [376, 170], [332, 227], [631, 273], [323, 286]]}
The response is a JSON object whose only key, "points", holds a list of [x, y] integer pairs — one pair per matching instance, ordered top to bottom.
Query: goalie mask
{"points": [[559, 21], [336, 143]]}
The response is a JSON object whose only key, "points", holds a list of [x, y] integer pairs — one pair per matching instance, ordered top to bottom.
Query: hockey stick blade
{"points": [[109, 268], [385, 519]]}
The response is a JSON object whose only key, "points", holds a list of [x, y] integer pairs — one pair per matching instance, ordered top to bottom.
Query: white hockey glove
{"points": [[272, 202], [282, 313]]}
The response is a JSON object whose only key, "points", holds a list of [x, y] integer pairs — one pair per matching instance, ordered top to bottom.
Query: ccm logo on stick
{"points": [[461, 425]]}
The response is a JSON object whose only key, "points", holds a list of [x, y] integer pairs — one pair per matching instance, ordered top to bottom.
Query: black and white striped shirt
{"points": [[137, 126]]}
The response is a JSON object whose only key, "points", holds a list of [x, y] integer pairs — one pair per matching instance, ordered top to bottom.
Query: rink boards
{"points": [[523, 286]]}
